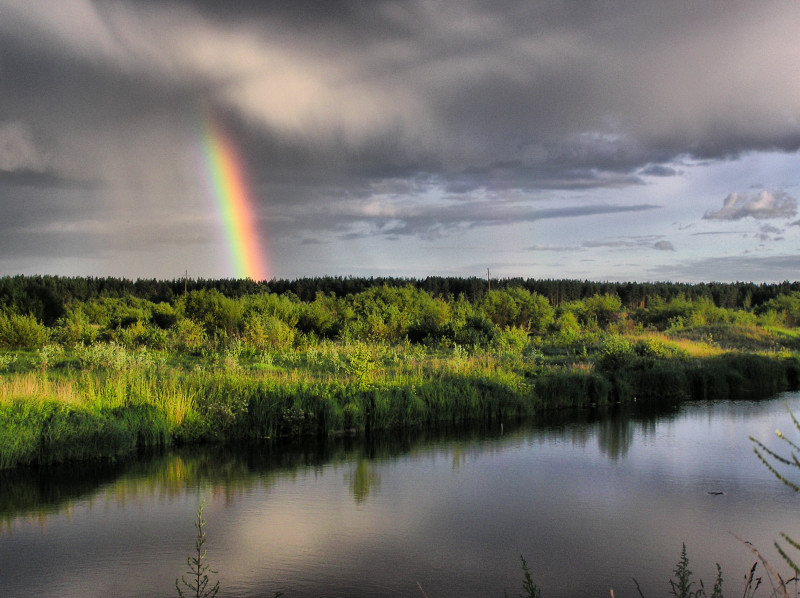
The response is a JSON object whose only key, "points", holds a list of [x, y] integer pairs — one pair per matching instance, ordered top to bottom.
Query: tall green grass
{"points": [[107, 400]]}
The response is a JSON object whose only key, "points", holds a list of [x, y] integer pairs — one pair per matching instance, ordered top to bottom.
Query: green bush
{"points": [[219, 315], [75, 328], [22, 332], [267, 333], [187, 336], [512, 338], [615, 352]]}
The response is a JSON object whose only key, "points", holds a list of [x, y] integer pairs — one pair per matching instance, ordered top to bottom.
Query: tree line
{"points": [[47, 297], [197, 314]]}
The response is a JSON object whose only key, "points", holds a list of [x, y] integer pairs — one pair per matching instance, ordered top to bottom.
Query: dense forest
{"points": [[46, 297], [473, 313]]}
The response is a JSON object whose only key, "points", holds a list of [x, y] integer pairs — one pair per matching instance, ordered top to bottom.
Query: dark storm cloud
{"points": [[545, 86], [333, 103], [658, 170], [432, 221]]}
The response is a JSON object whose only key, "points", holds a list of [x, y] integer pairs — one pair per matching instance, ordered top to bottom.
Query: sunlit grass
{"points": [[33, 386], [126, 397]]}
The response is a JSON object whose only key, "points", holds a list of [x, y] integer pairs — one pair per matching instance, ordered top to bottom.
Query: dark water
{"points": [[591, 500]]}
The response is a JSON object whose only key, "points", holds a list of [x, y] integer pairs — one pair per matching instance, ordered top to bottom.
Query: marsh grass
{"points": [[119, 399]]}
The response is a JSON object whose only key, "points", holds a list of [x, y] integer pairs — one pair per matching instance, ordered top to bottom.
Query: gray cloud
{"points": [[456, 87], [342, 106], [18, 150], [659, 170], [765, 204], [351, 220], [767, 232], [648, 242], [664, 246], [557, 248], [729, 269]]}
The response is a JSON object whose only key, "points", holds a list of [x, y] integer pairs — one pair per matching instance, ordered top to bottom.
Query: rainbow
{"points": [[226, 177]]}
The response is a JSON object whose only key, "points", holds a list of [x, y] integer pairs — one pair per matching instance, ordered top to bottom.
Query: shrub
{"points": [[163, 315], [219, 315], [76, 329], [21, 332], [268, 333], [187, 336], [512, 338], [657, 349], [615, 352]]}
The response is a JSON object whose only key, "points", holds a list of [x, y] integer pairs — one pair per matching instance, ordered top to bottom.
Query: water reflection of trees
{"points": [[616, 428], [614, 436], [229, 471], [363, 478]]}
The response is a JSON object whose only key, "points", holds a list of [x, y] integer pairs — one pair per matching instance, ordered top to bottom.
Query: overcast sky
{"points": [[590, 139]]}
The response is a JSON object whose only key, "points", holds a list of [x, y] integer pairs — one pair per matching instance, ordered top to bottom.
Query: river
{"points": [[590, 499]]}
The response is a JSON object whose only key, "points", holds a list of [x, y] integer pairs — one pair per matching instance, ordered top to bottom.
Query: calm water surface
{"points": [[591, 500]]}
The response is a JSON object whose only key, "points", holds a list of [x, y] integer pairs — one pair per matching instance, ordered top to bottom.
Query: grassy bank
{"points": [[100, 367], [106, 400]]}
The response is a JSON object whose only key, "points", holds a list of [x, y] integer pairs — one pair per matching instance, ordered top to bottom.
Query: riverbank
{"points": [[97, 368], [105, 400]]}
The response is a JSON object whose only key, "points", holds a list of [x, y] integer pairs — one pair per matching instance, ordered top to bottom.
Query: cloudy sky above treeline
{"points": [[590, 139]]}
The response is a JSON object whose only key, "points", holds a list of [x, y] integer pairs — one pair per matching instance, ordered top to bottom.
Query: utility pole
{"points": [[488, 280], [185, 281]]}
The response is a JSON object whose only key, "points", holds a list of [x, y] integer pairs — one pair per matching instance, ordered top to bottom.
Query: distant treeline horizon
{"points": [[46, 296]]}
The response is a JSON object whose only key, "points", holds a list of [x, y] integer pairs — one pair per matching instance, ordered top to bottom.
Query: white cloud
{"points": [[765, 204]]}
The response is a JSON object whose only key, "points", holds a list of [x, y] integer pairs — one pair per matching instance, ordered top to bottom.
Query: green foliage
{"points": [[517, 307], [784, 308], [602, 309], [662, 314], [163, 315], [219, 315], [324, 316], [432, 320], [75, 328], [568, 329], [478, 331], [21, 332], [267, 333], [187, 336], [512, 338], [654, 348], [615, 352], [48, 355], [112, 356], [229, 360], [6, 361], [359, 363], [572, 387], [21, 426], [77, 434], [199, 568], [681, 584]]}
